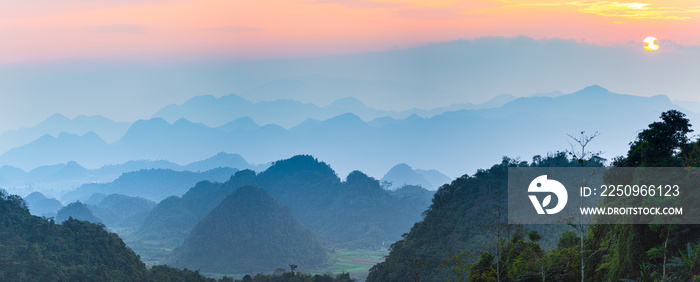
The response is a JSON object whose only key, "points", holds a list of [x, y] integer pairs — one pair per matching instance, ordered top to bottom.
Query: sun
{"points": [[650, 44]]}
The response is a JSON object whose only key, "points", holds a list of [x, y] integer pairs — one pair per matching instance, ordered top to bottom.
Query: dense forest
{"points": [[464, 218], [464, 234], [37, 249]]}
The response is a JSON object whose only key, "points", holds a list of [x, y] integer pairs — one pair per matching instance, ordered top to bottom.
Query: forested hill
{"points": [[78, 211], [354, 213], [173, 218], [461, 219], [249, 232], [456, 240], [37, 249]]}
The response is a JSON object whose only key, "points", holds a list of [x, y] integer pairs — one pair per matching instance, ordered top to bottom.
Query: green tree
{"points": [[660, 144], [641, 252]]}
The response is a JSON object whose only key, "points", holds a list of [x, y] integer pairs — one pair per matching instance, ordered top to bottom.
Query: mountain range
{"points": [[218, 112], [106, 128], [446, 142], [58, 178], [152, 184], [354, 213]]}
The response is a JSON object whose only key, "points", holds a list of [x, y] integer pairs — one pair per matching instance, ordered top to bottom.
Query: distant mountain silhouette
{"points": [[311, 88], [550, 94], [233, 112], [242, 124], [54, 125], [180, 142], [452, 142], [61, 149], [219, 160], [58, 172], [11, 174], [402, 174], [68, 176], [435, 177], [152, 184], [95, 199], [40, 205], [248, 232]]}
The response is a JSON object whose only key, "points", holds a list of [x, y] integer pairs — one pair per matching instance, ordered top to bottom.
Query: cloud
{"points": [[361, 4], [629, 10], [634, 10], [441, 13], [120, 28], [235, 29]]}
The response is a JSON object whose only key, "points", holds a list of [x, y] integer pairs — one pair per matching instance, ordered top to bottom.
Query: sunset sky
{"points": [[189, 30], [126, 59]]}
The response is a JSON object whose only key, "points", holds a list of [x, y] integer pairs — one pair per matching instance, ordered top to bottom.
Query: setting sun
{"points": [[650, 44]]}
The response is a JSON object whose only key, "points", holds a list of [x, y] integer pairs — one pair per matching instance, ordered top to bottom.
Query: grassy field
{"points": [[355, 262]]}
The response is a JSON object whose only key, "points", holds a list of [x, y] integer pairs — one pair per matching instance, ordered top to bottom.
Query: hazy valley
{"points": [[215, 184]]}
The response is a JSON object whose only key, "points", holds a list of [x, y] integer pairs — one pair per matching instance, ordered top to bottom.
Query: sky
{"points": [[195, 29], [126, 59]]}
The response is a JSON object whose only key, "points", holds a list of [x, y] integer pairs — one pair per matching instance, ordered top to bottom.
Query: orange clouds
{"points": [[636, 10], [167, 28]]}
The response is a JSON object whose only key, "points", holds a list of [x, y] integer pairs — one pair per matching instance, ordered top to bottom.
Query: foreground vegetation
{"points": [[465, 234], [37, 249]]}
